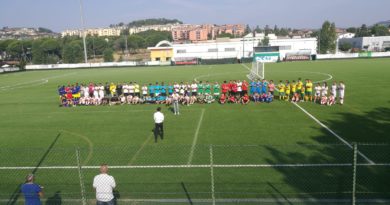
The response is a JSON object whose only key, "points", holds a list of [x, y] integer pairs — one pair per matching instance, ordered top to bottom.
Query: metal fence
{"points": [[204, 174]]}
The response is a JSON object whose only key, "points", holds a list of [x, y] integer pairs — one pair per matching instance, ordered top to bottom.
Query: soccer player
{"points": [[245, 86], [258, 86], [264, 86], [299, 86], [176, 87], [253, 87], [271, 87], [281, 87], [293, 87], [125, 88], [200, 88], [207, 88], [225, 88], [233, 88], [239, 88], [112, 89], [136, 89], [157, 89], [163, 89], [170, 89], [194, 89], [324, 89], [333, 89], [341, 89], [144, 90], [151, 90], [216, 90], [287, 90], [309, 90], [317, 95], [256, 97], [270, 97], [295, 97], [209, 98], [222, 99], [232, 99], [245, 99], [324, 100], [331, 100]]}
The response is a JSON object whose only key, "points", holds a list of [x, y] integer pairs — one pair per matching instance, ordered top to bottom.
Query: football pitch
{"points": [[276, 153]]}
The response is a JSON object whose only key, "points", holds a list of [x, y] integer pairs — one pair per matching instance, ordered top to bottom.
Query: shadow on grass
{"points": [[371, 130], [16, 194]]}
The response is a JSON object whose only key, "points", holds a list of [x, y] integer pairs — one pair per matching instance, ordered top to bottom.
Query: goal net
{"points": [[257, 71]]}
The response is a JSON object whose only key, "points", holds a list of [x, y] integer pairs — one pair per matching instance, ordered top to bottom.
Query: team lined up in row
{"points": [[186, 93]]}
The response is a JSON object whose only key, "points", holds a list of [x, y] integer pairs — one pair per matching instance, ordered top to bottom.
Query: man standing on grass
{"points": [[175, 98], [158, 124], [104, 185], [31, 191]]}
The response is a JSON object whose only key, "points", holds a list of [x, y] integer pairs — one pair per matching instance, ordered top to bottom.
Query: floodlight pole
{"points": [[83, 30]]}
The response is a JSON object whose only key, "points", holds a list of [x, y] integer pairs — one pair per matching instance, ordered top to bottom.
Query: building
{"points": [[167, 27], [93, 32], [204, 32], [198, 34], [377, 43], [234, 48], [162, 52]]}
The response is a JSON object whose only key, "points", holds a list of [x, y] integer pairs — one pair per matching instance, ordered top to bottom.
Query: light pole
{"points": [[83, 30]]}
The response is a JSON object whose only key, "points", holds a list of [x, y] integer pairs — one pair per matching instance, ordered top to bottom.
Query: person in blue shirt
{"points": [[258, 86], [264, 86], [253, 87], [157, 89], [163, 89], [170, 89], [151, 90], [269, 97], [31, 191]]}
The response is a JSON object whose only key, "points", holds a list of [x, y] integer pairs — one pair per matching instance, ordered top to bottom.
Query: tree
{"points": [[247, 29], [258, 29], [267, 30], [276, 30], [352, 30], [380, 30], [363, 31], [283, 32], [225, 35], [328, 37], [265, 41], [135, 42], [120, 44], [345, 46], [72, 53], [108, 55]]}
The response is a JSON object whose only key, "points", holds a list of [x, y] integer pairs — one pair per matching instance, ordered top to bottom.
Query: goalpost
{"points": [[257, 70]]}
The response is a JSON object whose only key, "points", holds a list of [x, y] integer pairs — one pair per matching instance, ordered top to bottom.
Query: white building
{"points": [[167, 27], [93, 32], [378, 43], [242, 47]]}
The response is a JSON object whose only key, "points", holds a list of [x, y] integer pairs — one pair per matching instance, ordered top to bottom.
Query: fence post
{"points": [[355, 151], [212, 174], [81, 179]]}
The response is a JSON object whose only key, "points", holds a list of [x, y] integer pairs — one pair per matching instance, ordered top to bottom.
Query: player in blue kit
{"points": [[258, 86], [264, 86], [253, 87], [157, 89], [163, 89], [170, 89], [151, 90]]}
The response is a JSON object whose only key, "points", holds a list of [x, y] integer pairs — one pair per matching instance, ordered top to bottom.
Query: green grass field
{"points": [[229, 148]]}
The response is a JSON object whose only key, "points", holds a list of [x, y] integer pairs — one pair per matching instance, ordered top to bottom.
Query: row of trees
{"points": [[146, 22], [268, 30], [376, 30], [70, 49]]}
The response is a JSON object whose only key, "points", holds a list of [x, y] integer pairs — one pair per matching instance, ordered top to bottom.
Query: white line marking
{"points": [[217, 74], [333, 133], [195, 137], [140, 149], [203, 166], [212, 174]]}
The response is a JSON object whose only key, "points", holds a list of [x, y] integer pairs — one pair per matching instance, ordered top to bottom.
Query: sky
{"points": [[59, 15]]}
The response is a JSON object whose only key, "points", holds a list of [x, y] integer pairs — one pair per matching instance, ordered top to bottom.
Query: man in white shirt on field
{"points": [[158, 117], [104, 185]]}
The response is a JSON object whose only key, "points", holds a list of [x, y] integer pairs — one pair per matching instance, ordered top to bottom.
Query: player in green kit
{"points": [[200, 88], [207, 88], [216, 90]]}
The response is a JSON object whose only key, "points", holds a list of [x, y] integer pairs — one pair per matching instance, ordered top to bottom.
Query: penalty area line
{"points": [[333, 133], [195, 138]]}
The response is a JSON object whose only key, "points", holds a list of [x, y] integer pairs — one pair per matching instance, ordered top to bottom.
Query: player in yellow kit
{"points": [[299, 86], [281, 88], [287, 90], [309, 90]]}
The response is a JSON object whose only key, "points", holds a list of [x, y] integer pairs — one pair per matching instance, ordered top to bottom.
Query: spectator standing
{"points": [[158, 124], [31, 191]]}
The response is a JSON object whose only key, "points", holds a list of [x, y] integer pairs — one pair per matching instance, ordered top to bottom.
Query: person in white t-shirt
{"points": [[194, 89], [333, 89], [341, 89], [158, 117], [104, 185]]}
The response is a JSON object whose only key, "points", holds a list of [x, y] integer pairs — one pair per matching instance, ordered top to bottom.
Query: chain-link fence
{"points": [[204, 174]]}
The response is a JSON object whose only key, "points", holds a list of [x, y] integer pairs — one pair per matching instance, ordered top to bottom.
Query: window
{"points": [[284, 47], [230, 49], [213, 50], [181, 51], [167, 58], [158, 59]]}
